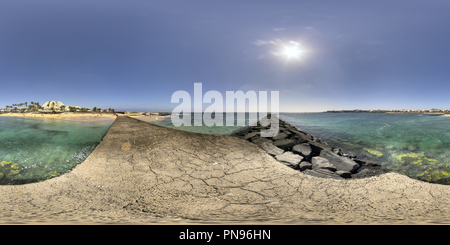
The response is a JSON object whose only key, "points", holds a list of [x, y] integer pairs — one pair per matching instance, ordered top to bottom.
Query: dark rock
{"points": [[287, 132], [251, 135], [280, 136], [299, 139], [261, 140], [317, 140], [285, 144], [317, 148], [271, 149], [302, 149], [338, 151], [352, 155], [289, 159], [320, 162], [341, 163], [367, 163], [305, 165], [369, 172], [322, 173], [344, 174]]}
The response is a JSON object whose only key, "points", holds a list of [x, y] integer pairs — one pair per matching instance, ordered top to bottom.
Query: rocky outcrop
{"points": [[303, 152]]}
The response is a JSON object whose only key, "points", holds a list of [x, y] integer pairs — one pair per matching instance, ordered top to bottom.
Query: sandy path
{"points": [[146, 173]]}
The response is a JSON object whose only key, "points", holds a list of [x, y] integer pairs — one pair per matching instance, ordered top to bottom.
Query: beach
{"points": [[146, 174]]}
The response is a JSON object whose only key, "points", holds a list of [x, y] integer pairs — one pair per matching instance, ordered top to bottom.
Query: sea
{"points": [[416, 145], [44, 148]]}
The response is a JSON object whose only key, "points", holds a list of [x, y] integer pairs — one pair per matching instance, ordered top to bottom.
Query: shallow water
{"points": [[416, 145], [45, 147]]}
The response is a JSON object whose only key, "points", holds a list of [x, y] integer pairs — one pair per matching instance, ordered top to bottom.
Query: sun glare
{"points": [[292, 52]]}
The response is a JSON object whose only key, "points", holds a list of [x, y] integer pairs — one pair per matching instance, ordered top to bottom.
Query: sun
{"points": [[292, 52]]}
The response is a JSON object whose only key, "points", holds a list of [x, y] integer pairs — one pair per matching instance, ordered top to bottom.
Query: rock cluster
{"points": [[302, 151]]}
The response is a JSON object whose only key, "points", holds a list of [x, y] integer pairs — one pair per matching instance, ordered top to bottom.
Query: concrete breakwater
{"points": [[303, 152]]}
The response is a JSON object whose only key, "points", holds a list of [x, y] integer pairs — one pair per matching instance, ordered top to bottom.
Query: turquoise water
{"points": [[167, 122], [417, 145], [45, 147]]}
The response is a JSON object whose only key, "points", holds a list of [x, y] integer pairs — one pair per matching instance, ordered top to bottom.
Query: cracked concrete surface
{"points": [[142, 173]]}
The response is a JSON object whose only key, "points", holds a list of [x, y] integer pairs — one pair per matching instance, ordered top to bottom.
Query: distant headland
{"points": [[431, 111]]}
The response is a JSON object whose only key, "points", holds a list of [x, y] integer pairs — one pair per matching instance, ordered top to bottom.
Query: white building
{"points": [[56, 105]]}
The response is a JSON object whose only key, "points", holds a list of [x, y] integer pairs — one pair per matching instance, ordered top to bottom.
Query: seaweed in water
{"points": [[34, 126], [56, 132]]}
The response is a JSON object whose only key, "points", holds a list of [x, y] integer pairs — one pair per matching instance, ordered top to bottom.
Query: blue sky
{"points": [[133, 55]]}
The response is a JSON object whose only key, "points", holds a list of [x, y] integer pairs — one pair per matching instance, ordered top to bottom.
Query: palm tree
{"points": [[38, 105]]}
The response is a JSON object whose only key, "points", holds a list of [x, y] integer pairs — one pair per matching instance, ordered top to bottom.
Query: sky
{"points": [[134, 55]]}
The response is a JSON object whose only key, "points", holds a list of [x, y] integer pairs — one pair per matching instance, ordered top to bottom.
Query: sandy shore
{"points": [[147, 174]]}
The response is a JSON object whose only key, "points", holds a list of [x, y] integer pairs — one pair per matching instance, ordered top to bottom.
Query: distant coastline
{"points": [[434, 112]]}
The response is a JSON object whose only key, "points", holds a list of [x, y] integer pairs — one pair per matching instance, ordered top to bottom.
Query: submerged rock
{"points": [[367, 163], [369, 172]]}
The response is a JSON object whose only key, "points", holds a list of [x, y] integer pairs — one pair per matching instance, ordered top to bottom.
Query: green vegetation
{"points": [[374, 152], [417, 159], [8, 169], [53, 174], [435, 176]]}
